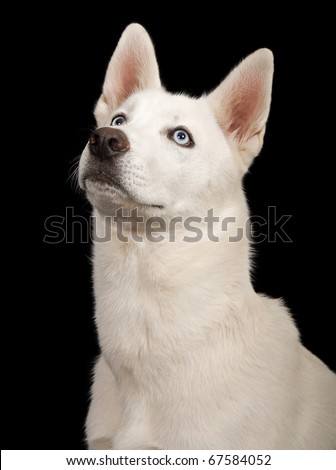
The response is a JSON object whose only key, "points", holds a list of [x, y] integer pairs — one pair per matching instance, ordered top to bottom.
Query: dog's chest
{"points": [[135, 310], [148, 312]]}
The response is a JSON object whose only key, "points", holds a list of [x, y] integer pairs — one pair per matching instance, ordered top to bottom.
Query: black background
{"points": [[49, 336]]}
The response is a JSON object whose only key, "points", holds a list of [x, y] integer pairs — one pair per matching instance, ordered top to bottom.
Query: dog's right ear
{"points": [[132, 67]]}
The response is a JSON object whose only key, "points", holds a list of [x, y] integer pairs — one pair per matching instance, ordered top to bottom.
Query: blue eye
{"points": [[118, 120], [181, 137]]}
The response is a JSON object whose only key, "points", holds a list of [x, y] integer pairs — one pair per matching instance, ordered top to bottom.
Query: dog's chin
{"points": [[108, 195]]}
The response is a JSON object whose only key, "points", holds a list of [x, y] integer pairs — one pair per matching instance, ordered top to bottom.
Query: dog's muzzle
{"points": [[107, 142]]}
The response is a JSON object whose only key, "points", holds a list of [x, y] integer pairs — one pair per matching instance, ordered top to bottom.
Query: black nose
{"points": [[108, 142]]}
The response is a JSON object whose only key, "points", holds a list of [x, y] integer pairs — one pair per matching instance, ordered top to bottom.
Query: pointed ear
{"points": [[132, 67], [242, 101]]}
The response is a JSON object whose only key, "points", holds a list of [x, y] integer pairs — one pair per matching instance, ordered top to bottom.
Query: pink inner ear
{"points": [[130, 77], [244, 109]]}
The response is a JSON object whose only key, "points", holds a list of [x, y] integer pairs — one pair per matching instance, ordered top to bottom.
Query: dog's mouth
{"points": [[104, 184]]}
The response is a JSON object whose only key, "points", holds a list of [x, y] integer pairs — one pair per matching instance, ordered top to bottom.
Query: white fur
{"points": [[191, 357]]}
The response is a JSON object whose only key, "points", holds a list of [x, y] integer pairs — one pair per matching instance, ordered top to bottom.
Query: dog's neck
{"points": [[215, 245], [178, 289]]}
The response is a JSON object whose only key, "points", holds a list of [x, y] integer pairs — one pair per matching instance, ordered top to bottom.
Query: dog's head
{"points": [[163, 152]]}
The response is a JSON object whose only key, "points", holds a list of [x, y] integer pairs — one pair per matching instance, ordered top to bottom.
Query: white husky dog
{"points": [[191, 357]]}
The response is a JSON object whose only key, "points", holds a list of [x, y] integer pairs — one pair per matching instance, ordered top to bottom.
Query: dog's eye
{"points": [[118, 120], [182, 137]]}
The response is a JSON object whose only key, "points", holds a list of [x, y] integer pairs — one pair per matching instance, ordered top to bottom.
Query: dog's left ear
{"points": [[133, 67], [242, 101]]}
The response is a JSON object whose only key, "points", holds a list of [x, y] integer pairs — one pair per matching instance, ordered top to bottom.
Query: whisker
{"points": [[73, 174]]}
